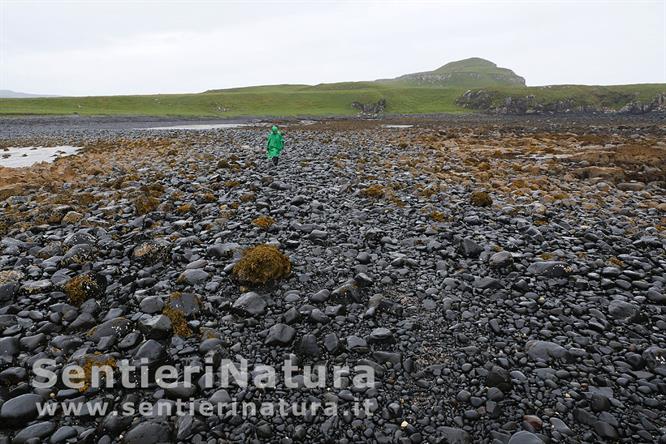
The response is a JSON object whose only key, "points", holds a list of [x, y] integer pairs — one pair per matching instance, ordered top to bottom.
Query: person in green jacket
{"points": [[274, 145]]}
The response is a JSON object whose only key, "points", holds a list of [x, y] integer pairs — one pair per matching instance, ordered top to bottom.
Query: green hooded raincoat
{"points": [[275, 143]]}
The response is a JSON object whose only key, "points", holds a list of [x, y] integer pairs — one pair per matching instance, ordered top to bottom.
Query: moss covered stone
{"points": [[375, 191], [481, 199], [145, 204], [264, 222], [260, 265], [85, 286]]}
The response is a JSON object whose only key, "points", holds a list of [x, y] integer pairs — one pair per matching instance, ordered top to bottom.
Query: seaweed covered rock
{"points": [[374, 191], [481, 199], [146, 204], [71, 218], [263, 222], [153, 251], [79, 254], [261, 264], [89, 285], [188, 303], [178, 308], [178, 323], [98, 364]]}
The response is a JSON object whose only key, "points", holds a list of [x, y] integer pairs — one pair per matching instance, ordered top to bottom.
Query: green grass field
{"points": [[282, 100], [320, 100]]}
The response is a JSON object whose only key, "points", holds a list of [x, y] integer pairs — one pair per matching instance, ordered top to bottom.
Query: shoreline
{"points": [[500, 276]]}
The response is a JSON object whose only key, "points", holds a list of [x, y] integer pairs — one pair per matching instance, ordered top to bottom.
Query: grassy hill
{"points": [[468, 73], [444, 90], [281, 100]]}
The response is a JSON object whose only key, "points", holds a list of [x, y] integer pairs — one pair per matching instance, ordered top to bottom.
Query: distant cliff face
{"points": [[469, 73]]}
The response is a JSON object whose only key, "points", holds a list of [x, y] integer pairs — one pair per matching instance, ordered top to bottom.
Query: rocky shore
{"points": [[496, 102], [504, 278]]}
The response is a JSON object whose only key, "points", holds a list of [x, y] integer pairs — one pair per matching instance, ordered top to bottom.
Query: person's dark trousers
{"points": [[276, 159]]}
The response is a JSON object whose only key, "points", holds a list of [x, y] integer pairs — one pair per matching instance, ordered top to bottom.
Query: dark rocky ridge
{"points": [[518, 104]]}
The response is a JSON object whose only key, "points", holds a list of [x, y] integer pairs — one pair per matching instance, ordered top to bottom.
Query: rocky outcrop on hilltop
{"points": [[471, 72], [435, 78]]}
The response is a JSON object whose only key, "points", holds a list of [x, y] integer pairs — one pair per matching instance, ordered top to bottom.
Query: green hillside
{"points": [[474, 72], [469, 85], [282, 100]]}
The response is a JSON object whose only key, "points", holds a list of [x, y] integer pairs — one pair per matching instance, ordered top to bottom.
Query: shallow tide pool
{"points": [[16, 157]]}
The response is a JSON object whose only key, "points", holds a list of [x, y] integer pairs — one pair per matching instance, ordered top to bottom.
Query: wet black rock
{"points": [[470, 248], [223, 251], [502, 259], [548, 269], [193, 277], [7, 291], [250, 304], [623, 310], [117, 327], [156, 327], [280, 334], [331, 342], [308, 346], [545, 350], [150, 352], [655, 359], [500, 378], [21, 409], [605, 430], [37, 431], [149, 432], [63, 434], [524, 437]]}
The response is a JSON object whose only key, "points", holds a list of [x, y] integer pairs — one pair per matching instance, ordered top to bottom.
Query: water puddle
{"points": [[397, 126], [198, 127], [549, 156], [16, 157]]}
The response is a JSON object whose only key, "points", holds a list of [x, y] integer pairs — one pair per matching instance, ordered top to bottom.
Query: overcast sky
{"points": [[135, 47]]}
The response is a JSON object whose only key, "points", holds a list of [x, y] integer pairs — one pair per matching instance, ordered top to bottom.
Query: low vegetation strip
{"points": [[287, 100], [336, 100]]}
